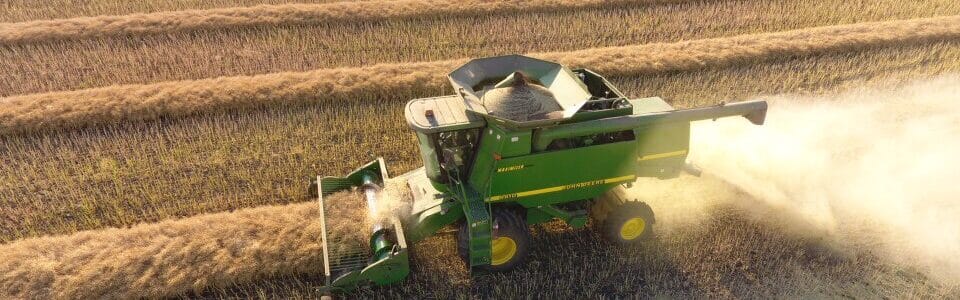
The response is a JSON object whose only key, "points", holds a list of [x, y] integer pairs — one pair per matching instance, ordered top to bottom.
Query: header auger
{"points": [[523, 141]]}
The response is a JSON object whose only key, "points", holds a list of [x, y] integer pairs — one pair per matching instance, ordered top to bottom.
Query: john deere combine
{"points": [[523, 141]]}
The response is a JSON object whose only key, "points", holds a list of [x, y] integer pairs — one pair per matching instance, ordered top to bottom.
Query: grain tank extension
{"points": [[523, 141]]}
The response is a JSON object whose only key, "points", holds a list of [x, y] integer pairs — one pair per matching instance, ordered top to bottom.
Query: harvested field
{"points": [[289, 14], [91, 63], [132, 103], [107, 139], [125, 174], [901, 208], [712, 243]]}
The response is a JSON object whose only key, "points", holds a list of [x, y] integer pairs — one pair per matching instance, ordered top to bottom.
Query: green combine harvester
{"points": [[493, 171]]}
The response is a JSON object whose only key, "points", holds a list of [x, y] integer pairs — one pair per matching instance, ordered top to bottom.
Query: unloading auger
{"points": [[491, 171]]}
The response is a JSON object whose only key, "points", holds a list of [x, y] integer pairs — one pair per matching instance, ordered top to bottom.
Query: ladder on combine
{"points": [[477, 216], [480, 229]]}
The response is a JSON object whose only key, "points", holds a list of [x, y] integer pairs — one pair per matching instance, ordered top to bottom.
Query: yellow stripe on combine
{"points": [[662, 155], [563, 187]]}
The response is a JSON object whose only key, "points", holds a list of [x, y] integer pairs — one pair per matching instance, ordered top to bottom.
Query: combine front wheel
{"points": [[510, 243]]}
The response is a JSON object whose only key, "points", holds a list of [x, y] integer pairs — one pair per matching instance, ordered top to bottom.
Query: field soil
{"points": [[123, 154]]}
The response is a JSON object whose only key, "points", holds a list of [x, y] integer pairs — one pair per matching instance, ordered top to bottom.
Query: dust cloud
{"points": [[872, 168], [396, 201]]}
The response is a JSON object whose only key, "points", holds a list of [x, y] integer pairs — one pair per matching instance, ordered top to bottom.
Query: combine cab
{"points": [[492, 171]]}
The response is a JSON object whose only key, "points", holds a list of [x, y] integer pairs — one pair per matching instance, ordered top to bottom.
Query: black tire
{"points": [[507, 224], [613, 227]]}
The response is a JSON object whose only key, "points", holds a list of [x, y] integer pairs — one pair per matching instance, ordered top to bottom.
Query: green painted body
{"points": [[609, 141], [478, 162], [549, 177]]}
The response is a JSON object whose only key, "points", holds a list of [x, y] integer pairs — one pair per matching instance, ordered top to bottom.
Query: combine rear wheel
{"points": [[626, 223], [509, 246]]}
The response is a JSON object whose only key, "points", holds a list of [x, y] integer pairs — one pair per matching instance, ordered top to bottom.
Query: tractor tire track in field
{"points": [[288, 14], [142, 102], [174, 257]]}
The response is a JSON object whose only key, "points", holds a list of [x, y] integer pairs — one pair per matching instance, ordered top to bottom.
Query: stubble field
{"points": [[111, 131]]}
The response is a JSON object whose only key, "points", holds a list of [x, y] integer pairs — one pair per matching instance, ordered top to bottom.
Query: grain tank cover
{"points": [[476, 77]]}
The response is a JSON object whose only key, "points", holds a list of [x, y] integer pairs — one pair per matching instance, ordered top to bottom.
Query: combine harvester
{"points": [[524, 141]]}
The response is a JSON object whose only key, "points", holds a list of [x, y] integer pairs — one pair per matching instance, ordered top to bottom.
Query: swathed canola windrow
{"points": [[72, 109]]}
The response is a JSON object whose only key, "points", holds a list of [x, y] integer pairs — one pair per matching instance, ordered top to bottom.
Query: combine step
{"points": [[479, 228]]}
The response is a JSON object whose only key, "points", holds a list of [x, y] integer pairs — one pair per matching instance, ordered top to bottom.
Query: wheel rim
{"points": [[632, 228], [504, 248]]}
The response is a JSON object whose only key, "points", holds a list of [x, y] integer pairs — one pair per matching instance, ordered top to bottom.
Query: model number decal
{"points": [[510, 168]]}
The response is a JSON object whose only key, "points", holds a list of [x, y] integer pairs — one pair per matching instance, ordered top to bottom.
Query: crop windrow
{"points": [[28, 10], [286, 14], [146, 59], [73, 109], [174, 257]]}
